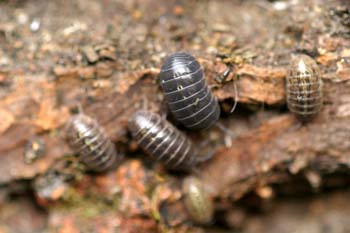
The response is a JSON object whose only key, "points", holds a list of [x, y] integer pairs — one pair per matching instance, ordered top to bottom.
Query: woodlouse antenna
{"points": [[222, 78], [236, 96], [206, 157]]}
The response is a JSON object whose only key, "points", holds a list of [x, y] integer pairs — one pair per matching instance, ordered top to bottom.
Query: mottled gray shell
{"points": [[304, 88], [186, 91], [162, 141], [89, 142], [197, 201]]}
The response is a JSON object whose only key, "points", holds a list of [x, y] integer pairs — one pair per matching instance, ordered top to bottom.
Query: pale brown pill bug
{"points": [[304, 88], [163, 142], [90, 143], [197, 201]]}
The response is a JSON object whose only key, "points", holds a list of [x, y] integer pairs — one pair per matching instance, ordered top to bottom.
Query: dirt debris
{"points": [[104, 56]]}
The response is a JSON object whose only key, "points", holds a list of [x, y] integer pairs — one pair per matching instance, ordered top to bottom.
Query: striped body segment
{"points": [[304, 88], [186, 91], [162, 141], [89, 142]]}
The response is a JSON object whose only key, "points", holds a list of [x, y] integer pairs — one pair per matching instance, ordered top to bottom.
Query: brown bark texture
{"points": [[103, 58]]}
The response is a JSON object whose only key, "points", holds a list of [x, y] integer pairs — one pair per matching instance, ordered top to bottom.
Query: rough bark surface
{"points": [[103, 57]]}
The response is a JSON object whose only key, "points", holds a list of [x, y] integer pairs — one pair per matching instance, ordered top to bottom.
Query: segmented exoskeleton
{"points": [[304, 88], [188, 95], [163, 141], [90, 143]]}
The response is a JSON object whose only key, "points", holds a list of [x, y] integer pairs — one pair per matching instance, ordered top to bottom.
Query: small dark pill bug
{"points": [[304, 88], [188, 95], [163, 141], [89, 142], [197, 201]]}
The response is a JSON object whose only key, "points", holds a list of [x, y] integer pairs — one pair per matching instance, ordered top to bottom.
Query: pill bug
{"points": [[304, 88], [187, 93], [158, 138], [90, 143], [197, 201]]}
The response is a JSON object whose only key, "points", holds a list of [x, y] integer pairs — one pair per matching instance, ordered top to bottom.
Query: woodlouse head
{"points": [[172, 58], [301, 64], [140, 120], [76, 124]]}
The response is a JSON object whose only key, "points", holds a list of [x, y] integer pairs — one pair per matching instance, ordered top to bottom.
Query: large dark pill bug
{"points": [[304, 88], [187, 93], [158, 138], [89, 142], [198, 203]]}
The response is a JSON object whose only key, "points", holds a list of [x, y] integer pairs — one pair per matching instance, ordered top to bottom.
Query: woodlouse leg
{"points": [[225, 129], [228, 134], [204, 143], [209, 155], [206, 157]]}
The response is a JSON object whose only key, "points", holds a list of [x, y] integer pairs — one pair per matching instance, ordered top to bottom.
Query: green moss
{"points": [[87, 206]]}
